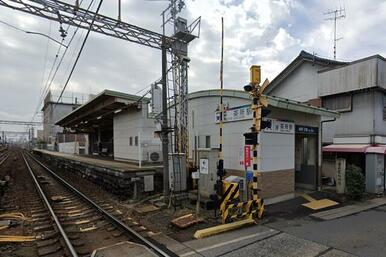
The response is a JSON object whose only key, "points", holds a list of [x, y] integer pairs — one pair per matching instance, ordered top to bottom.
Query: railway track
{"points": [[3, 156], [72, 224]]}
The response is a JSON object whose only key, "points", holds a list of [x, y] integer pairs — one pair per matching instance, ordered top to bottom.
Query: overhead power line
{"points": [[32, 32], [80, 52], [49, 82]]}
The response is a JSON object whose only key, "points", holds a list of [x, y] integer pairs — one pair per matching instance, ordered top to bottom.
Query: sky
{"points": [[270, 33]]}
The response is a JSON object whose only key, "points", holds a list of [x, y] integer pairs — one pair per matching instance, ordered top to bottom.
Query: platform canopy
{"points": [[100, 110]]}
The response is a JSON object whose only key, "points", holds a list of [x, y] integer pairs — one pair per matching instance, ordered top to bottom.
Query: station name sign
{"points": [[244, 112]]}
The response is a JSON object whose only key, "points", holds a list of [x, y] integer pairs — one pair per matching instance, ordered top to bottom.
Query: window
{"points": [[340, 103], [131, 140], [136, 140], [207, 141]]}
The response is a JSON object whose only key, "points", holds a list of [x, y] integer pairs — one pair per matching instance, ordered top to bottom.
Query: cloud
{"points": [[266, 32], [284, 40]]}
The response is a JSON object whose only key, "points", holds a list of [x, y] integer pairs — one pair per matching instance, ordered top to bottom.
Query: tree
{"points": [[355, 182]]}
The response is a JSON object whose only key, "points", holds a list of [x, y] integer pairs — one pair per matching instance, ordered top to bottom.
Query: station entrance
{"points": [[306, 157]]}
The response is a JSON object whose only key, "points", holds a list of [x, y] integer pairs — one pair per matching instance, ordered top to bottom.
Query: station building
{"points": [[53, 111], [120, 126], [290, 150]]}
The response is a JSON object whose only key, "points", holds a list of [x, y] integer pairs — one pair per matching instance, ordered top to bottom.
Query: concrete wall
{"points": [[381, 72], [356, 76], [301, 85], [378, 103], [52, 115], [366, 118], [134, 123], [202, 123], [375, 173]]}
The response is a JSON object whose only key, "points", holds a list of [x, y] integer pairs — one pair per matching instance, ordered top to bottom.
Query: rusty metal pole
{"points": [[164, 125]]}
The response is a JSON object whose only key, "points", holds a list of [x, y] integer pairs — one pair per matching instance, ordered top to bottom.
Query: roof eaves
{"points": [[302, 57], [105, 92], [272, 100], [300, 107]]}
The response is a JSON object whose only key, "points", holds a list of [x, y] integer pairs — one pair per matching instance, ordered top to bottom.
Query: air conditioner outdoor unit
{"points": [[154, 156]]}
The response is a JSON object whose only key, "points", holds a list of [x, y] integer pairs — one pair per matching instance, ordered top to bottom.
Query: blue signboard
{"points": [[306, 129]]}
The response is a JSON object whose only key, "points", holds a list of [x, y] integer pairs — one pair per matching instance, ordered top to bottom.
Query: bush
{"points": [[355, 182]]}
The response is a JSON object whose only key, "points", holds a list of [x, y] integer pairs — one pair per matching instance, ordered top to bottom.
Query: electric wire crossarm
{"points": [[64, 13]]}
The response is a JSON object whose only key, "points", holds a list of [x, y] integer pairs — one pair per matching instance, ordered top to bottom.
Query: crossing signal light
{"points": [[248, 88], [265, 112], [265, 123], [251, 138]]}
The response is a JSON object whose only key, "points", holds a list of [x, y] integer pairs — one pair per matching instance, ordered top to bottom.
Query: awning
{"points": [[345, 148], [348, 148], [376, 149]]}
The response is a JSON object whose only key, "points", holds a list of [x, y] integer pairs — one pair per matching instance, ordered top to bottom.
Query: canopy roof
{"points": [[101, 106]]}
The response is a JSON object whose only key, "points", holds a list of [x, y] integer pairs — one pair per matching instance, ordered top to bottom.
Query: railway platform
{"points": [[126, 179]]}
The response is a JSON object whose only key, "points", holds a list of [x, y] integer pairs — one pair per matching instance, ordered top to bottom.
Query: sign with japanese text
{"points": [[244, 112], [306, 129], [247, 155], [340, 167]]}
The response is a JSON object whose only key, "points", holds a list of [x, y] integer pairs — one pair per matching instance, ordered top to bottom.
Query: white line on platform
{"points": [[226, 243]]}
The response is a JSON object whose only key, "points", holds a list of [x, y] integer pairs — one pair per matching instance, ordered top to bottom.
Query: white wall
{"points": [[301, 85], [361, 120], [129, 124], [69, 147], [278, 150]]}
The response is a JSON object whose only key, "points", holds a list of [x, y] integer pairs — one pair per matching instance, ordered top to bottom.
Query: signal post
{"points": [[258, 103], [231, 207]]}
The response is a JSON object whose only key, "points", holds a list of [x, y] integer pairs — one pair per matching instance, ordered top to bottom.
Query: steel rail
{"points": [[4, 159], [47, 203], [112, 218]]}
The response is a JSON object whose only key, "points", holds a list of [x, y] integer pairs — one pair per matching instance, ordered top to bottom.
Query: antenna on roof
{"points": [[335, 15]]}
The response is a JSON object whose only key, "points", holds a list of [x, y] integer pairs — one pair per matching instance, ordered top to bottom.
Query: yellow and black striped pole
{"points": [[256, 109], [220, 167]]}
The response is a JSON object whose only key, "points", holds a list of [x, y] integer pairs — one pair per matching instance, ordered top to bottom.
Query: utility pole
{"points": [[335, 15], [164, 124]]}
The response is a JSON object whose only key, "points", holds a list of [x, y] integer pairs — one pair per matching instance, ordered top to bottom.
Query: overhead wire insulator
{"points": [[63, 32]]}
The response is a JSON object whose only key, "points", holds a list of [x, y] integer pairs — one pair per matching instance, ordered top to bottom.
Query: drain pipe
{"points": [[321, 161]]}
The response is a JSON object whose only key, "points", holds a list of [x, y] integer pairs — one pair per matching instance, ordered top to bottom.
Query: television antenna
{"points": [[335, 15]]}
